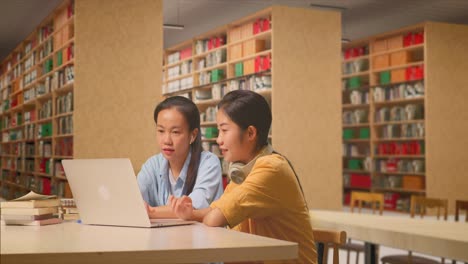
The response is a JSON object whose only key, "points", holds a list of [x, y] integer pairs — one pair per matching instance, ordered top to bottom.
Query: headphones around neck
{"points": [[238, 171]]}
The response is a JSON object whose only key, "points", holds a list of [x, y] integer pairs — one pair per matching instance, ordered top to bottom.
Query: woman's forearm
{"points": [[199, 215]]}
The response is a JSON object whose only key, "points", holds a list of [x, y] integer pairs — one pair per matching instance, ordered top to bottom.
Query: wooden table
{"points": [[432, 237], [71, 242]]}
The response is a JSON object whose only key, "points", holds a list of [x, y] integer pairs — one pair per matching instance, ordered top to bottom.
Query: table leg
{"points": [[370, 253]]}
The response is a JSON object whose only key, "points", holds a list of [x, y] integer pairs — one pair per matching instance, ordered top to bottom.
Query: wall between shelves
{"points": [[118, 72], [306, 100], [447, 126]]}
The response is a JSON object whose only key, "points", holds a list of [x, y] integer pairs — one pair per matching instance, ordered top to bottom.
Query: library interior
{"points": [[359, 155]]}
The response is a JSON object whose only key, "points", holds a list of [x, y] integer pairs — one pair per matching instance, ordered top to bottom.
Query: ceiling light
{"points": [[328, 7], [173, 26]]}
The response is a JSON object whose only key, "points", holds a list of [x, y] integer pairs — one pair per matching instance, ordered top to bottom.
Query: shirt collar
{"points": [[183, 173]]}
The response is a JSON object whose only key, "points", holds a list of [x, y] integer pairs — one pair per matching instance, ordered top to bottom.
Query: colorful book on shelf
{"points": [[31, 200], [49, 221]]}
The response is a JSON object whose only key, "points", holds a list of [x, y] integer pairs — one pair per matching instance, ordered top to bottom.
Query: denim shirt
{"points": [[153, 180]]}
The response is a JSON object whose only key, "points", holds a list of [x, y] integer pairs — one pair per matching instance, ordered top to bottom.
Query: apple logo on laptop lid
{"points": [[104, 193]]}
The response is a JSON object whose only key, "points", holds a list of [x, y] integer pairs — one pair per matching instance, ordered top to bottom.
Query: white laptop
{"points": [[106, 193]]}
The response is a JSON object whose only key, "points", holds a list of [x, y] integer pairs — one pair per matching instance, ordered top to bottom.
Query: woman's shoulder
{"points": [[207, 156], [209, 159], [154, 161], [274, 161]]}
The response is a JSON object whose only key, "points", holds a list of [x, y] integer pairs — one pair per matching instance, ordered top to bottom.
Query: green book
{"points": [[59, 58], [239, 69], [217, 75], [385, 77], [354, 82], [46, 130], [211, 132], [364, 133], [348, 134], [354, 164]]}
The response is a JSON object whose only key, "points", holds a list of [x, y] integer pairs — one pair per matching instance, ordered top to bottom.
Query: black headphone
{"points": [[238, 171]]}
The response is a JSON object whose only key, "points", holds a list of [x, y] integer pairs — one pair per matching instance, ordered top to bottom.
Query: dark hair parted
{"points": [[247, 108], [190, 112]]}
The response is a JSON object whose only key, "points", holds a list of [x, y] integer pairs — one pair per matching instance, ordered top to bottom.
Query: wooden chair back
{"points": [[370, 197], [424, 202], [461, 205], [326, 239]]}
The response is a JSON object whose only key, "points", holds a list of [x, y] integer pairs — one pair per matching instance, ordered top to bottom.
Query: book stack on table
{"points": [[30, 209], [68, 210]]}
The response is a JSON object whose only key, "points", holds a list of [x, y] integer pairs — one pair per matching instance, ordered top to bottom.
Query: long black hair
{"points": [[247, 108], [192, 116]]}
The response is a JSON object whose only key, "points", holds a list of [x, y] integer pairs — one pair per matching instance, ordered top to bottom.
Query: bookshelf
{"points": [[251, 53], [36, 87], [401, 117]]}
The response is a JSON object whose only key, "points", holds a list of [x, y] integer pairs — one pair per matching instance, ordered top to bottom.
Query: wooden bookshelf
{"points": [[397, 62], [37, 71], [289, 82]]}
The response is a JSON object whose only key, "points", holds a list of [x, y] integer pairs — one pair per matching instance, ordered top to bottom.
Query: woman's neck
{"points": [[252, 154], [176, 167]]}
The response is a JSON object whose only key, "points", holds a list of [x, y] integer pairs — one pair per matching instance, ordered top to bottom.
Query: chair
{"points": [[361, 197], [368, 197], [422, 203], [425, 203], [461, 205], [326, 239]]}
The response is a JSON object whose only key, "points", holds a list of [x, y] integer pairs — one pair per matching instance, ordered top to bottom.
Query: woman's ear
{"points": [[252, 133], [193, 135]]}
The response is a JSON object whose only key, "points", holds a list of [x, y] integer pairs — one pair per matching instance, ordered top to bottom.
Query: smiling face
{"points": [[174, 135], [234, 143]]}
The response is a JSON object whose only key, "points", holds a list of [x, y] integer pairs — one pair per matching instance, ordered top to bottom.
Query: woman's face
{"points": [[174, 136], [235, 144]]}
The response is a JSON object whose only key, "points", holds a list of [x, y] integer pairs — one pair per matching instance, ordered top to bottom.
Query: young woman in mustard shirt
{"points": [[264, 196]]}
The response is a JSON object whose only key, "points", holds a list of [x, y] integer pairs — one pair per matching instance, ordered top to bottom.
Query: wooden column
{"points": [[118, 78]]}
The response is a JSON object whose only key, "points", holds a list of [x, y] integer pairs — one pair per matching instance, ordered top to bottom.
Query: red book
{"points": [[70, 10], [265, 24], [257, 27], [418, 38], [210, 44], [258, 63], [266, 63], [358, 180], [46, 186]]}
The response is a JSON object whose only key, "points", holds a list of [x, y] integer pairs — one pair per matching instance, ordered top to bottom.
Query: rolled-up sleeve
{"points": [[208, 186]]}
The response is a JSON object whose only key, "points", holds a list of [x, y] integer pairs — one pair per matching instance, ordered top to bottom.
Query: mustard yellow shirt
{"points": [[269, 203]]}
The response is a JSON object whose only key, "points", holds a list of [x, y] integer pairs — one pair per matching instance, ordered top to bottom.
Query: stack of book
{"points": [[30, 209], [68, 210]]}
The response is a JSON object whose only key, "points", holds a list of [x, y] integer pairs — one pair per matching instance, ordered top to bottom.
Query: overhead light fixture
{"points": [[328, 7], [173, 26], [345, 40]]}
